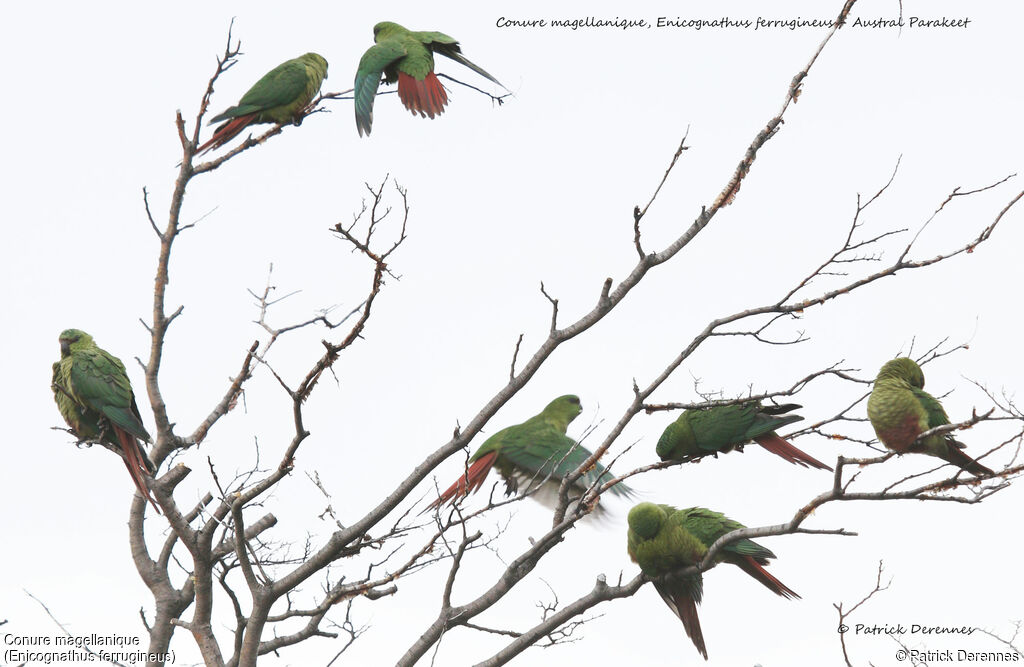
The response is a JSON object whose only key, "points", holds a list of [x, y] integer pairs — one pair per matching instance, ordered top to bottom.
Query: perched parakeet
{"points": [[408, 57], [279, 97], [95, 398], [900, 410], [724, 427], [536, 454], [663, 540]]}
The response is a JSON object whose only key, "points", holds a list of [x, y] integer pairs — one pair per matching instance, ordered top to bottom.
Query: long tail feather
{"points": [[462, 60], [426, 97], [226, 133], [779, 409], [780, 447], [959, 458], [133, 460], [472, 480], [754, 569], [685, 607]]}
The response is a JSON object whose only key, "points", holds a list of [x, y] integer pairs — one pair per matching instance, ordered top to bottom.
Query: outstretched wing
{"points": [[371, 67], [543, 452]]}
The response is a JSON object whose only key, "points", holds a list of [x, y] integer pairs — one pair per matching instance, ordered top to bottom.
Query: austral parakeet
{"points": [[407, 57], [280, 96], [95, 398], [900, 410], [722, 428], [535, 455], [663, 540]]}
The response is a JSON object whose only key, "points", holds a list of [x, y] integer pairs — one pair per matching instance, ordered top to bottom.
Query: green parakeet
{"points": [[407, 57], [280, 96], [95, 398], [900, 410], [725, 427], [535, 455], [663, 540]]}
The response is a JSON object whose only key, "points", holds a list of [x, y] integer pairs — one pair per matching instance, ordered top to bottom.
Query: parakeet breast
{"points": [[896, 415]]}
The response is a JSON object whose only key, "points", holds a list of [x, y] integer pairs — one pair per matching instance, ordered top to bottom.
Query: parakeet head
{"points": [[385, 29], [316, 61], [74, 339], [904, 369], [566, 407], [677, 435], [645, 520]]}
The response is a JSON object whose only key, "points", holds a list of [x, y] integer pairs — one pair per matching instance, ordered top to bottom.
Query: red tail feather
{"points": [[427, 97], [226, 132], [780, 447], [962, 459], [133, 461], [469, 482], [754, 569], [686, 609]]}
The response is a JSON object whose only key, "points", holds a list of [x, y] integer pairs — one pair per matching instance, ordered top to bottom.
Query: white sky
{"points": [[541, 188]]}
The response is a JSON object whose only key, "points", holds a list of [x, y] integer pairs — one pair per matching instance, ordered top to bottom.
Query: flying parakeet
{"points": [[408, 57], [279, 97], [95, 398], [900, 410], [723, 428], [536, 454], [663, 540]]}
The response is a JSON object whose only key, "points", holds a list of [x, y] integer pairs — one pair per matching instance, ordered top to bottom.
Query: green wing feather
{"points": [[432, 37], [438, 42], [372, 66], [279, 86], [98, 381], [936, 414], [728, 425], [723, 426], [542, 452], [707, 526]]}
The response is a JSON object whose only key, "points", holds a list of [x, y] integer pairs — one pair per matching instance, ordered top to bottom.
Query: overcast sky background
{"points": [[540, 188]]}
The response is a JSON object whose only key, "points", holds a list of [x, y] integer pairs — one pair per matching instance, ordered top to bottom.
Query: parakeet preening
{"points": [[407, 57], [279, 97], [95, 398], [900, 410], [724, 427], [535, 455], [663, 540]]}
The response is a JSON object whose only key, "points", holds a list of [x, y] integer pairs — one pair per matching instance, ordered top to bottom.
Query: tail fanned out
{"points": [[426, 97], [780, 447], [134, 461], [472, 480], [750, 565]]}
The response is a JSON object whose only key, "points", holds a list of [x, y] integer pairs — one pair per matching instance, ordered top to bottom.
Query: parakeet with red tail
{"points": [[407, 57], [281, 96], [95, 397], [900, 410], [722, 428], [534, 456], [664, 540]]}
